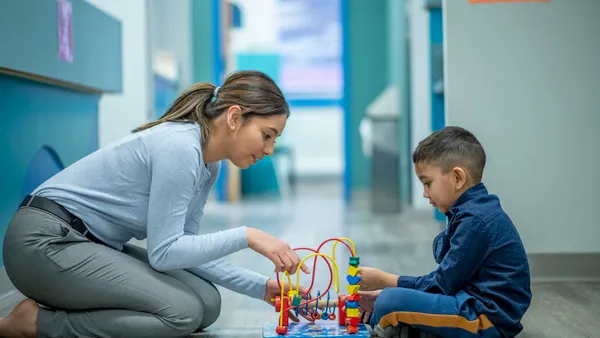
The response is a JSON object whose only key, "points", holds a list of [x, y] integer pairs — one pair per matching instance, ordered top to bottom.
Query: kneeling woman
{"points": [[65, 247]]}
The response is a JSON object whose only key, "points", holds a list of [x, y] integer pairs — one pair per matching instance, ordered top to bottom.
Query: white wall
{"points": [[148, 28], [171, 31], [259, 31], [524, 78], [420, 86], [120, 113], [322, 152]]}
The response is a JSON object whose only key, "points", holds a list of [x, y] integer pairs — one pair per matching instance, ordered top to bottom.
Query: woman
{"points": [[66, 245]]}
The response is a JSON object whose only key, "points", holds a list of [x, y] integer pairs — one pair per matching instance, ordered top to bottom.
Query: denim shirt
{"points": [[481, 253]]}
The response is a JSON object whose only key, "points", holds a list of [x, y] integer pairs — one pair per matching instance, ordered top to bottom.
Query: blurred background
{"points": [[365, 80]]}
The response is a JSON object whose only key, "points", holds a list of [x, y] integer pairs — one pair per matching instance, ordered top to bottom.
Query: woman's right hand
{"points": [[277, 251]]}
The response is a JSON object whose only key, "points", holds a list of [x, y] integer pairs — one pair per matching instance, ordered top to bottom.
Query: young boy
{"points": [[481, 287]]}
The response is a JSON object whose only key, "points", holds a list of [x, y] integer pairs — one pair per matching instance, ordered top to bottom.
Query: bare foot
{"points": [[21, 322]]}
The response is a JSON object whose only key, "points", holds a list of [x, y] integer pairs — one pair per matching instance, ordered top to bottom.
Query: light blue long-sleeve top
{"points": [[154, 185]]}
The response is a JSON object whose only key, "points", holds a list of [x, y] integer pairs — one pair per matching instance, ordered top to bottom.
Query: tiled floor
{"points": [[399, 243]]}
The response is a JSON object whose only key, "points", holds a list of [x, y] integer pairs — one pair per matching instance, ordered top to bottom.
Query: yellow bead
{"points": [[353, 271], [353, 289], [352, 313]]}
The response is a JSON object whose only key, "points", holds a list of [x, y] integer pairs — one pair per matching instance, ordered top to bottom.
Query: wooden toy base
{"points": [[315, 330]]}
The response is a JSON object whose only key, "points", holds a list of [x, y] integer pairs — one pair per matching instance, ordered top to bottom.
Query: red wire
{"points": [[339, 240], [319, 250], [315, 261], [314, 268], [313, 275], [313, 279]]}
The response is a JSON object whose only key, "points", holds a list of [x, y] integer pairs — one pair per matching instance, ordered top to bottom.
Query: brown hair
{"points": [[255, 92], [449, 147]]}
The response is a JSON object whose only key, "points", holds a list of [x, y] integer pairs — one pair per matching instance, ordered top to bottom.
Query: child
{"points": [[481, 287]]}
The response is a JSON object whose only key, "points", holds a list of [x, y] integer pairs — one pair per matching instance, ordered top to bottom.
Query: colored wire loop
{"points": [[334, 277]]}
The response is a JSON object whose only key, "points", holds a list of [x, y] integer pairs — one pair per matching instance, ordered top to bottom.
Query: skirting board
{"points": [[551, 267], [544, 268], [8, 294]]}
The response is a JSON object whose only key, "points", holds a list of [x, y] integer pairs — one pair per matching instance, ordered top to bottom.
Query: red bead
{"points": [[353, 298], [352, 321], [351, 329], [281, 330]]}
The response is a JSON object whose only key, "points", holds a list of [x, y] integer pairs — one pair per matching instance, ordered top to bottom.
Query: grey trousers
{"points": [[90, 290]]}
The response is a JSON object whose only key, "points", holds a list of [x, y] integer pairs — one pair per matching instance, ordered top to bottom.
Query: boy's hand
{"points": [[375, 279], [366, 303]]}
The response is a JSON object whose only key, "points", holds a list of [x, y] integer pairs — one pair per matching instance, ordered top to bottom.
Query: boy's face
{"points": [[441, 189]]}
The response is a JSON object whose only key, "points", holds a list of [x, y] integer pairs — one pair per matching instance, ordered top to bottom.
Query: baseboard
{"points": [[563, 267], [6, 285], [8, 293]]}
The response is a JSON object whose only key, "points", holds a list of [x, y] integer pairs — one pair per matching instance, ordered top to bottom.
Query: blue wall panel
{"points": [[436, 31], [165, 93], [346, 101], [438, 109], [42, 129], [260, 179]]}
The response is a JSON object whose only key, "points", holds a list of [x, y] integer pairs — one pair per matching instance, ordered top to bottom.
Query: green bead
{"points": [[354, 261]]}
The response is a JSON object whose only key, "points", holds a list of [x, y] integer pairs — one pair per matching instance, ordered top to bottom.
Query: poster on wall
{"points": [[65, 30], [310, 46]]}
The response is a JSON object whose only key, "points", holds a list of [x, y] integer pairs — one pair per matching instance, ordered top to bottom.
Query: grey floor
{"points": [[400, 243]]}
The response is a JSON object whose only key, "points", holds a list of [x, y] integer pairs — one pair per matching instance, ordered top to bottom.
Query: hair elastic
{"points": [[214, 98]]}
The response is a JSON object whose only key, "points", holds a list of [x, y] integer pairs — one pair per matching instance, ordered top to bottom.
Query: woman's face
{"points": [[254, 138]]}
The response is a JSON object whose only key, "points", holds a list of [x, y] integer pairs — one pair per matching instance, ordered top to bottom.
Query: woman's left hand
{"points": [[274, 290]]}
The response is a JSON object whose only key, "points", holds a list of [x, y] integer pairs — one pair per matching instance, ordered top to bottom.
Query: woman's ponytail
{"points": [[255, 92], [188, 107]]}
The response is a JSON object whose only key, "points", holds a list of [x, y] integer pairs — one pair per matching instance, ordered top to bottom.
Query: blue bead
{"points": [[353, 280]]}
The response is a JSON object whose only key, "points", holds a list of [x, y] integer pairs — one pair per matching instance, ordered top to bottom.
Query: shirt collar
{"points": [[473, 192]]}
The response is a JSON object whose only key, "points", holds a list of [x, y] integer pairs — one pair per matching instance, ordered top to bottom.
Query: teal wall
{"points": [[202, 41], [29, 44], [208, 60], [268, 63], [367, 73], [399, 75], [165, 92], [36, 115], [51, 121], [260, 178]]}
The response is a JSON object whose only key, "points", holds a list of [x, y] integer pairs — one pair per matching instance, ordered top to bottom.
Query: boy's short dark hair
{"points": [[450, 147]]}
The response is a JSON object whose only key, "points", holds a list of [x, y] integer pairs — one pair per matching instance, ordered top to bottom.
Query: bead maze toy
{"points": [[346, 323]]}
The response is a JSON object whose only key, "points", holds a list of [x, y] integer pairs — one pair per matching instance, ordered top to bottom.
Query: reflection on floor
{"points": [[397, 243]]}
